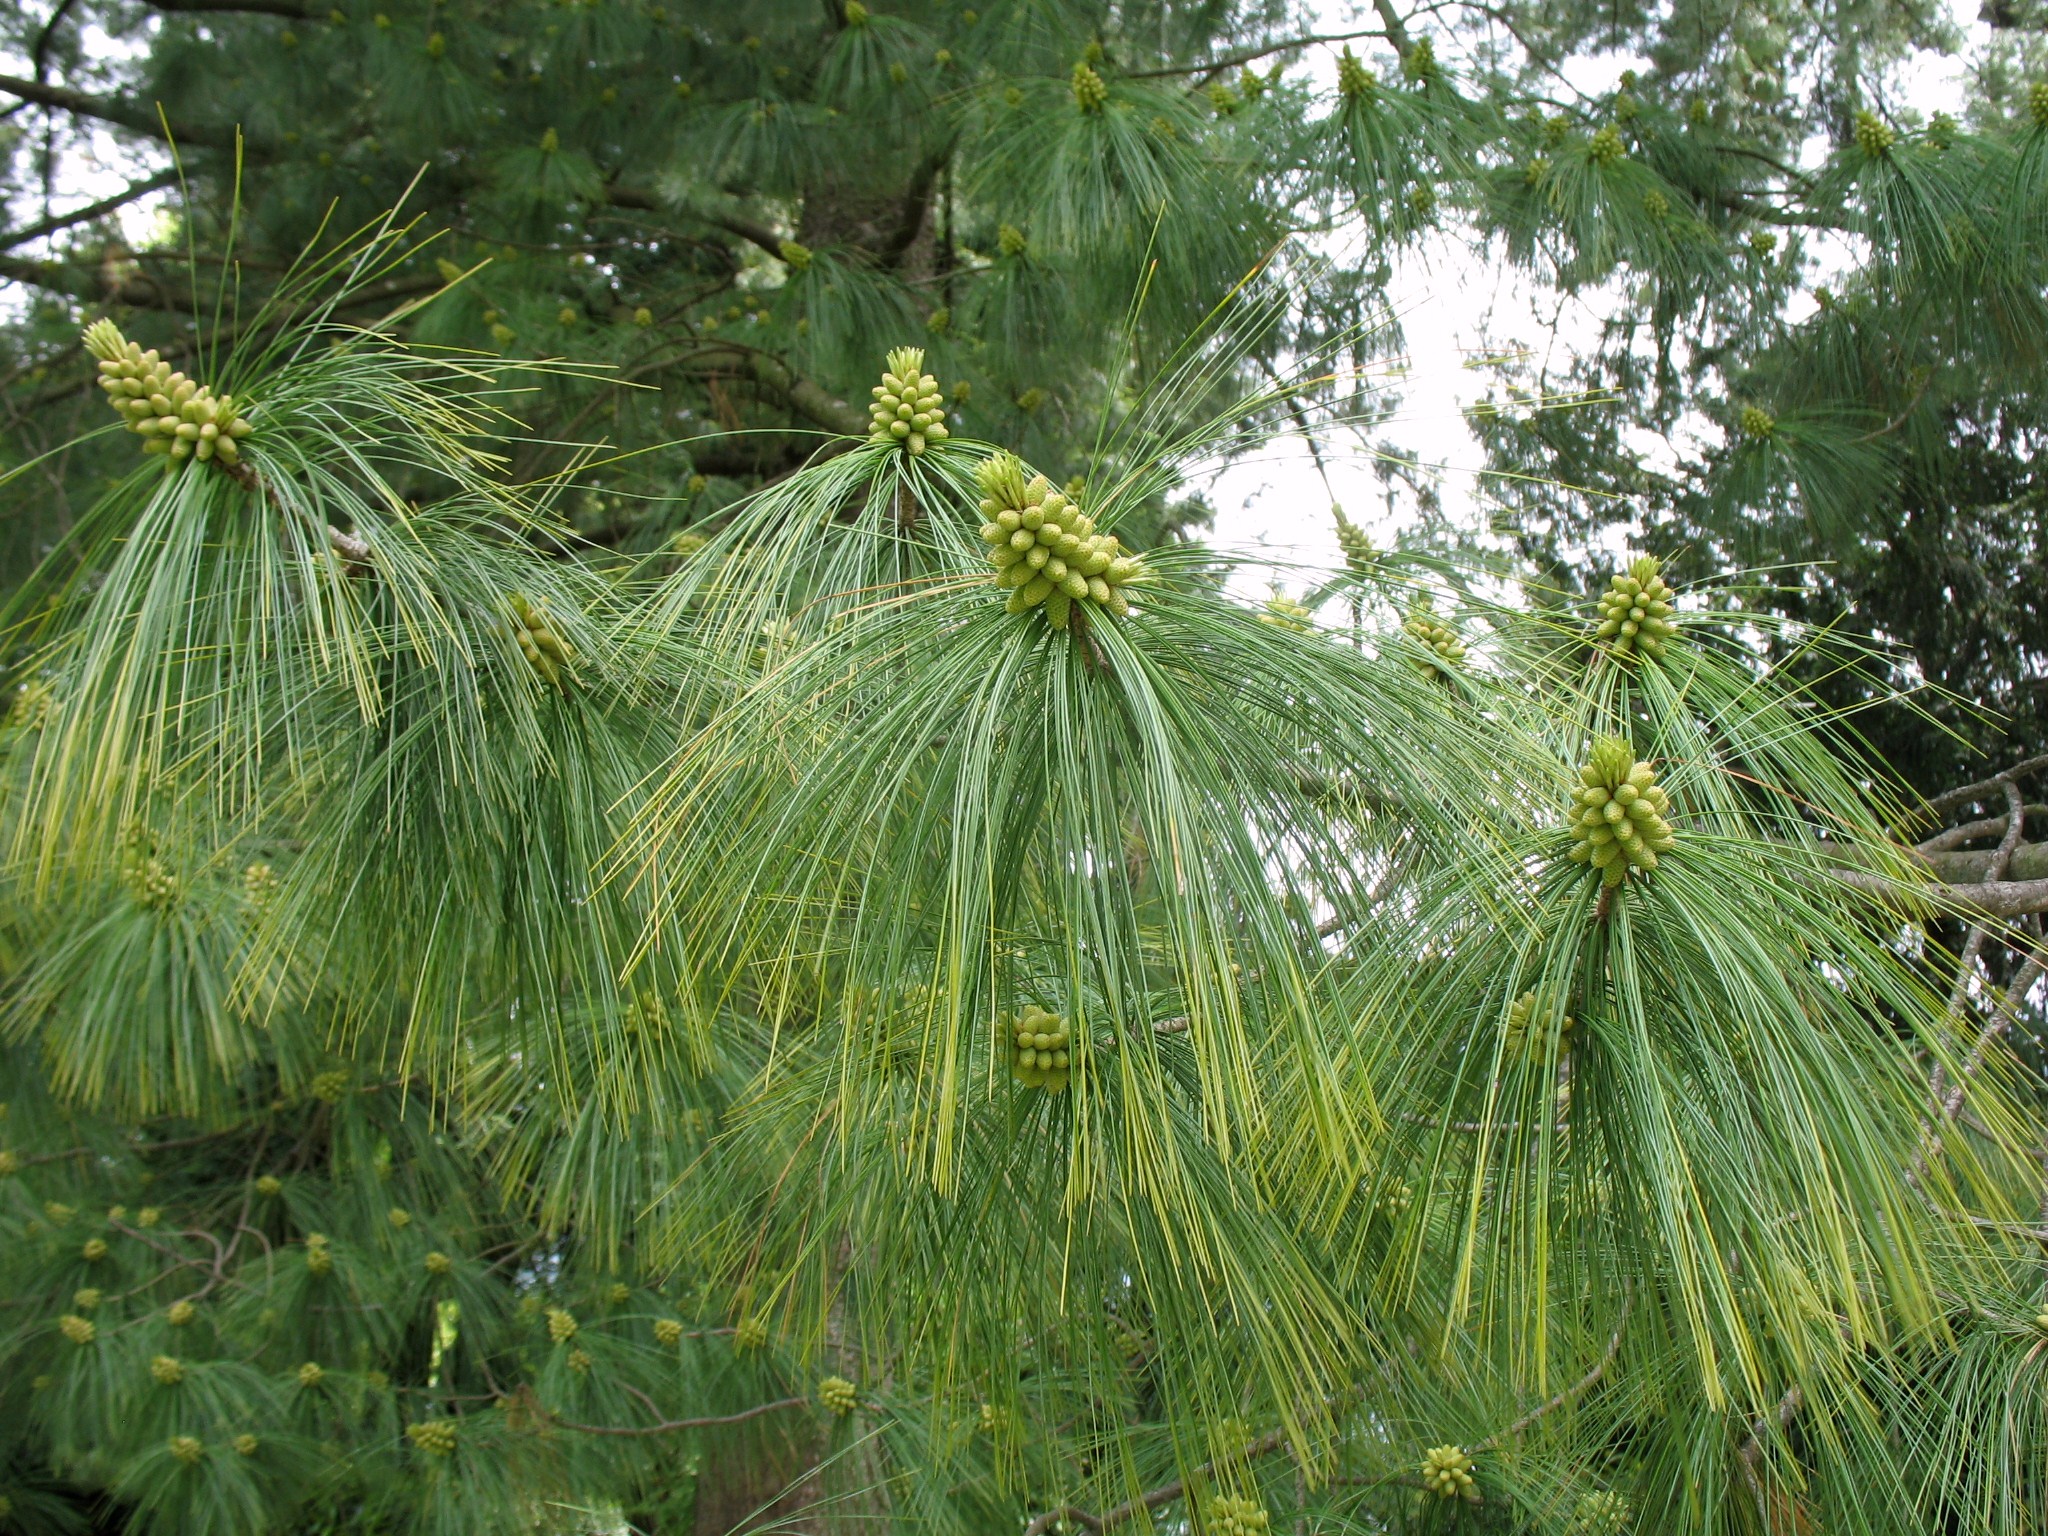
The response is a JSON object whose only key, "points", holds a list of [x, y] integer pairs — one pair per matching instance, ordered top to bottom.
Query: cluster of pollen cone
{"points": [[172, 414], [1045, 548]]}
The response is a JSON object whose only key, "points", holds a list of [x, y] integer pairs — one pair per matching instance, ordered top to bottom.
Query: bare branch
{"points": [[291, 9], [1252, 55], [137, 117], [90, 211], [1949, 800], [1570, 1394], [669, 1426]]}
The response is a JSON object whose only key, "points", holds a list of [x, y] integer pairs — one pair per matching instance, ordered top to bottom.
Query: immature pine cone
{"points": [[1354, 82], [1089, 91], [1874, 135], [1605, 146], [908, 407], [169, 412], [1757, 423], [1045, 548], [1635, 611], [1424, 626], [545, 651], [1618, 812], [1521, 1040], [1041, 1058], [561, 1325], [166, 1370], [839, 1394], [434, 1436], [188, 1450], [1447, 1472], [1605, 1513], [1236, 1517]]}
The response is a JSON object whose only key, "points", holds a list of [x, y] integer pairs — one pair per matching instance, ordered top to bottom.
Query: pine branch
{"points": [[290, 9], [1264, 51], [132, 115], [90, 211], [731, 222], [85, 283], [789, 389], [2006, 899], [1570, 1394], [668, 1426]]}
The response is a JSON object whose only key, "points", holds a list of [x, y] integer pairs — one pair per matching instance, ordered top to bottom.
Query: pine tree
{"points": [[547, 985]]}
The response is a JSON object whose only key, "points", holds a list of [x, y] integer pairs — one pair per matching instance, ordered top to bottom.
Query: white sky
{"points": [[1274, 510]]}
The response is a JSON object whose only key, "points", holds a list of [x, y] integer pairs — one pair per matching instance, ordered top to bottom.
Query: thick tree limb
{"points": [[291, 9], [1252, 55], [137, 117], [90, 211], [85, 283], [798, 394], [1950, 800], [2006, 899]]}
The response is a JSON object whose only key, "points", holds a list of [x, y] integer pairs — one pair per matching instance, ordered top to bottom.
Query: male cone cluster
{"points": [[908, 407], [172, 414], [1045, 548], [1359, 555], [1635, 611], [1284, 612], [1424, 626], [545, 651], [1618, 813], [1524, 1040], [1041, 1058], [839, 1395], [435, 1436], [1447, 1473], [1605, 1513], [1237, 1517]]}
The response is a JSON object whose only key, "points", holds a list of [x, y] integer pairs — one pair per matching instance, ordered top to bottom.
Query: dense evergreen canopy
{"points": [[647, 876]]}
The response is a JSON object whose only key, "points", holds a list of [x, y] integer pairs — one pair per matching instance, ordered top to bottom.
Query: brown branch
{"points": [[290, 9], [1264, 51], [135, 116], [90, 211], [85, 283], [798, 394], [1949, 800], [1954, 837], [2006, 899], [1570, 1394], [668, 1426]]}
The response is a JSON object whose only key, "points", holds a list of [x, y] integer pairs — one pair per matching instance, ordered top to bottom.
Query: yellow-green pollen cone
{"points": [[908, 407], [172, 414], [1045, 548], [1635, 612], [1423, 626], [545, 651], [1618, 813], [1521, 1039], [1042, 1043], [839, 1395], [436, 1437], [1447, 1473], [1605, 1513], [1237, 1517]]}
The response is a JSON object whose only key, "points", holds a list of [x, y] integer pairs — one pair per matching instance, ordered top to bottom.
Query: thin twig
{"points": [[668, 1426]]}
